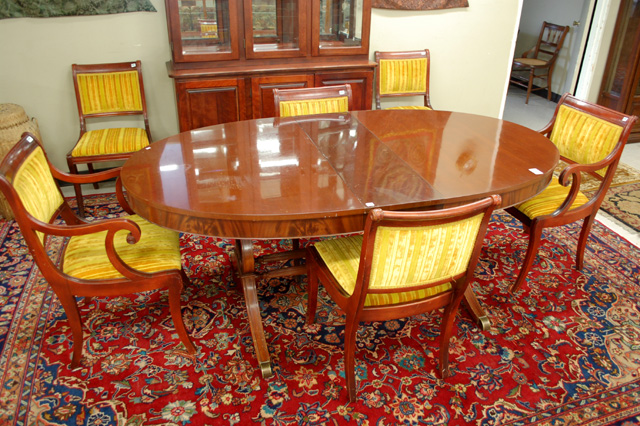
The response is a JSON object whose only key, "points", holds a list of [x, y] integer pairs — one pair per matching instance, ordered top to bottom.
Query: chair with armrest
{"points": [[539, 61], [403, 74], [104, 91], [312, 100], [590, 139], [101, 258], [405, 263]]}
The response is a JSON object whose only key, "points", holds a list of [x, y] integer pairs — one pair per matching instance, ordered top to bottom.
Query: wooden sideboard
{"points": [[227, 57]]}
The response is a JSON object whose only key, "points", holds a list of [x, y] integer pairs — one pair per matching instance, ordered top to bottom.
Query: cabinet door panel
{"points": [[361, 85], [262, 91], [207, 102]]}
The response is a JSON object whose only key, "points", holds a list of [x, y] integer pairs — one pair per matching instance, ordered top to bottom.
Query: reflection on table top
{"points": [[310, 176]]}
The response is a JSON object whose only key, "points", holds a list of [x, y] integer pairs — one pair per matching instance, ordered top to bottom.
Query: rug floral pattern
{"points": [[623, 203], [564, 350]]}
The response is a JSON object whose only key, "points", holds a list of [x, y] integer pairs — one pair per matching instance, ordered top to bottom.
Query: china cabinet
{"points": [[228, 56]]}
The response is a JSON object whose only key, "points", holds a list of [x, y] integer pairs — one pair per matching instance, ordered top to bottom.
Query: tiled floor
{"points": [[536, 115]]}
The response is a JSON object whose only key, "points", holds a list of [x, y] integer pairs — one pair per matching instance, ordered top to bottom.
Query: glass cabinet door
{"points": [[341, 27], [275, 28], [203, 30]]}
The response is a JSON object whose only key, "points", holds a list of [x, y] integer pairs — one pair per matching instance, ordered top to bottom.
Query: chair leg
{"points": [[549, 85], [530, 86], [92, 170], [77, 187], [535, 234], [582, 241], [312, 289], [70, 306], [176, 313], [350, 329], [445, 337]]}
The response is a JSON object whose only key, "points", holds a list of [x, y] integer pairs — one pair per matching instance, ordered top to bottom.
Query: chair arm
{"points": [[546, 130], [85, 178], [112, 226]]}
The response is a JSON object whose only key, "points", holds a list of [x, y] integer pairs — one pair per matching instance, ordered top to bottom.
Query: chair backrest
{"points": [[549, 42], [404, 73], [104, 90], [312, 100], [587, 133], [29, 187], [415, 251]]}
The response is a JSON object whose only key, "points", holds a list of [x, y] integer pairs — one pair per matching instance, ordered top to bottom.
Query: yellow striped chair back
{"points": [[403, 76], [109, 92], [312, 100], [315, 106], [584, 138], [36, 187]]}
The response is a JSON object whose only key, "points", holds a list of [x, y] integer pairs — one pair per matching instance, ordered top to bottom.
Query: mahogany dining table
{"points": [[315, 176]]}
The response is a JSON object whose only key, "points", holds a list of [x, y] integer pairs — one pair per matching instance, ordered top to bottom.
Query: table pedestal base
{"points": [[248, 277]]}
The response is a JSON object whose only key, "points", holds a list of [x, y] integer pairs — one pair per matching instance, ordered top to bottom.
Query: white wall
{"points": [[470, 49]]}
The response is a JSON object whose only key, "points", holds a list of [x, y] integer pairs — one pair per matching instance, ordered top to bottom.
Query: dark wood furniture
{"points": [[262, 45], [538, 62], [403, 74], [620, 88], [106, 91], [313, 100], [590, 139], [313, 176], [102, 258], [390, 280]]}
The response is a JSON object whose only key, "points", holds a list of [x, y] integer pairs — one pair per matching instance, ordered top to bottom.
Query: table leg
{"points": [[246, 268], [477, 312]]}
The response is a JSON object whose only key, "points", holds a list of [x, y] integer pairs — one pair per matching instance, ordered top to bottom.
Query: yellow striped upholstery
{"points": [[403, 76], [109, 92], [314, 106], [411, 107], [582, 137], [110, 141], [36, 188], [549, 200], [157, 250], [404, 257]]}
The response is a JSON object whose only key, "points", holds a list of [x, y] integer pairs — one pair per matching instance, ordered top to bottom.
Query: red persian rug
{"points": [[563, 351]]}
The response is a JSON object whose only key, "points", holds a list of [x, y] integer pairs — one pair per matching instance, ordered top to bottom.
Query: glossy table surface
{"points": [[317, 176], [302, 177]]}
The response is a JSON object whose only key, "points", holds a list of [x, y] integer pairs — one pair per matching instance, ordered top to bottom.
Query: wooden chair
{"points": [[539, 61], [402, 74], [102, 91], [312, 100], [590, 138], [101, 258], [401, 266]]}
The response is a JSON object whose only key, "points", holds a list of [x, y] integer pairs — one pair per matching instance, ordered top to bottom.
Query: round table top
{"points": [[320, 175]]}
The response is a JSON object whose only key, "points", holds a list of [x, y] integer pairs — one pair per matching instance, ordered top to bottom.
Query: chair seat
{"points": [[529, 61], [410, 107], [110, 141], [549, 200], [158, 250], [342, 256]]}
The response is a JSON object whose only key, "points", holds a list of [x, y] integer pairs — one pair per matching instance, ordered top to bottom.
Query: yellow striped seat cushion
{"points": [[403, 76], [109, 92], [314, 106], [411, 107], [582, 137], [111, 141], [36, 187], [549, 200], [158, 250], [404, 257]]}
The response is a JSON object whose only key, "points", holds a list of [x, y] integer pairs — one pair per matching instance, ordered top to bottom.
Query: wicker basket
{"points": [[13, 123]]}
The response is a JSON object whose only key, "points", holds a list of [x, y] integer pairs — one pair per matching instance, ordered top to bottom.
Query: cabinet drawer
{"points": [[361, 85], [262, 91]]}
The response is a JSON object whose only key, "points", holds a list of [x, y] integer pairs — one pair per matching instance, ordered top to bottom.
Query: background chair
{"points": [[539, 61], [403, 74], [107, 90], [312, 100], [590, 138], [101, 258], [402, 266]]}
